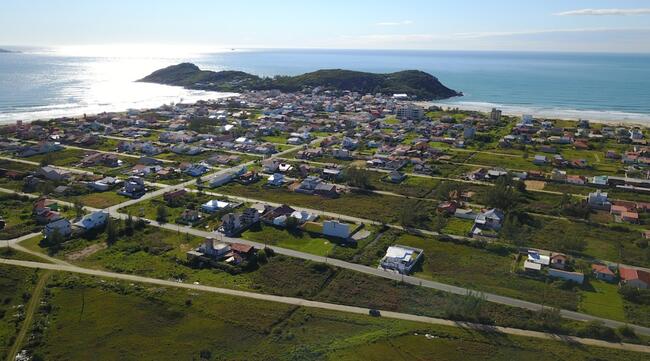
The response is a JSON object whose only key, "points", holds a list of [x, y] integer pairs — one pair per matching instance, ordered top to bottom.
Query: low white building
{"points": [[93, 220], [400, 259]]}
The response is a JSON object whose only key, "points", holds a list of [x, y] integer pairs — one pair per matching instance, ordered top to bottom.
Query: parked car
{"points": [[374, 313]]}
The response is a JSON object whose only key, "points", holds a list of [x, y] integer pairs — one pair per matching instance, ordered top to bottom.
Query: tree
{"points": [[47, 160], [357, 177], [449, 191], [503, 195], [78, 208], [161, 214], [413, 214], [439, 222], [291, 223], [129, 225], [511, 230], [111, 232], [53, 241]]}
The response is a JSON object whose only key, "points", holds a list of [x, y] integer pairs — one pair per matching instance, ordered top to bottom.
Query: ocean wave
{"points": [[606, 116]]}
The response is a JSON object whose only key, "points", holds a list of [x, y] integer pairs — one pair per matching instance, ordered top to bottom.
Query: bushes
{"points": [[635, 295], [596, 329]]}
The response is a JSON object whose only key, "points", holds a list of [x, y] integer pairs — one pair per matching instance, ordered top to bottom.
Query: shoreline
{"points": [[468, 106], [594, 116]]}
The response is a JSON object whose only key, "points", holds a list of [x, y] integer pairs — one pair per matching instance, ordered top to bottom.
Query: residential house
{"points": [[40, 148], [270, 165], [196, 170], [53, 174], [396, 176], [221, 179], [276, 180], [103, 184], [133, 187], [174, 196], [599, 200], [215, 205], [190, 217], [93, 221], [234, 223], [487, 223], [61, 225], [338, 229], [400, 259], [558, 260], [603, 273], [634, 277]]}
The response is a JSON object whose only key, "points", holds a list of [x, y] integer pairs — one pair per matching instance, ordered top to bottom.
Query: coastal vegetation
{"points": [[414, 83]]}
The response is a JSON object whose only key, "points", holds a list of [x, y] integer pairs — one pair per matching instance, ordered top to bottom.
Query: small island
{"points": [[6, 51], [416, 84]]}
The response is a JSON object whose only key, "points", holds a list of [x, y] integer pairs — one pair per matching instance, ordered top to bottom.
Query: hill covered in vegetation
{"points": [[418, 84]]}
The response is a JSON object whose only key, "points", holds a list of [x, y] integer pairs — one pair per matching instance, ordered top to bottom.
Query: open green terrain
{"points": [[88, 318]]}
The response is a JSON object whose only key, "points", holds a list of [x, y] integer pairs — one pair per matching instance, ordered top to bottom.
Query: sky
{"points": [[517, 25]]}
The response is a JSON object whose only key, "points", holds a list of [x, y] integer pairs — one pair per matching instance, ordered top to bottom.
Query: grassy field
{"points": [[101, 199], [365, 205], [17, 213], [297, 239], [612, 243], [482, 270], [15, 285], [603, 301], [92, 319]]}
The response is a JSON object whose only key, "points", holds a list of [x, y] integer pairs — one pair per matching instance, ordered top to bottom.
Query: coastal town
{"points": [[520, 209]]}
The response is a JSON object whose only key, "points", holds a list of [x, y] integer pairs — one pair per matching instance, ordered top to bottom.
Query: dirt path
{"points": [[30, 310]]}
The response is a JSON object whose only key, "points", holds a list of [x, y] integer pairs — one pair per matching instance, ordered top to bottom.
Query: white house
{"points": [[221, 179], [599, 200], [215, 205], [303, 216], [93, 220], [336, 229]]}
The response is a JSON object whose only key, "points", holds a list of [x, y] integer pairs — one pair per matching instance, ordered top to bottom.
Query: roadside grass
{"points": [[410, 187], [100, 199], [457, 226], [10, 253], [15, 286], [603, 301], [106, 320]]}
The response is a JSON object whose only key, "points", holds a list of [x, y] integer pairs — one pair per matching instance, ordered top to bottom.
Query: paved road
{"points": [[323, 305]]}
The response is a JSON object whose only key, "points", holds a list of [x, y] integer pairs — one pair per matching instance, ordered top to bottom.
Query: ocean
{"points": [[45, 83]]}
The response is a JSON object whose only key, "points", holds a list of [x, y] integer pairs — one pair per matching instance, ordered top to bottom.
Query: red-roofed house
{"points": [[618, 209], [631, 217], [603, 272], [635, 278]]}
